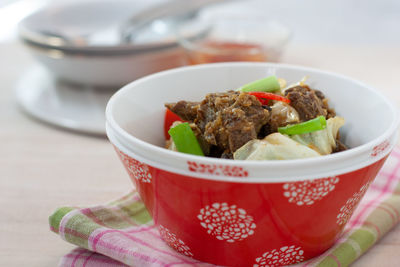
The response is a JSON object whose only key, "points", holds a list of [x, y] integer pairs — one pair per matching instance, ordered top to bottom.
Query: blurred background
{"points": [[340, 21], [80, 52]]}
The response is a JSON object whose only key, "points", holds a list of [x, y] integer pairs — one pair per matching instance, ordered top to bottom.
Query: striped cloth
{"points": [[122, 233]]}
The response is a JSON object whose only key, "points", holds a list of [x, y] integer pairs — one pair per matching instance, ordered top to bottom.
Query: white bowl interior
{"points": [[140, 110]]}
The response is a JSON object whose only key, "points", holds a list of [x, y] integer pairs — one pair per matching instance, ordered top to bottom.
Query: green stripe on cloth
{"points": [[393, 203], [133, 207], [137, 211], [56, 217], [110, 218], [381, 219], [79, 224], [78, 229], [364, 238], [343, 254], [329, 262]]}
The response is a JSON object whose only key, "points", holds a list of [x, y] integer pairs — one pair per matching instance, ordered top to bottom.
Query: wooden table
{"points": [[42, 167]]}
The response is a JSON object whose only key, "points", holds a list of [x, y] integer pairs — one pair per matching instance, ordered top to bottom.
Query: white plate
{"points": [[75, 108]]}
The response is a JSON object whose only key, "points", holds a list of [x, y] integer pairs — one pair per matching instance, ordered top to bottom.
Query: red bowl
{"points": [[248, 213]]}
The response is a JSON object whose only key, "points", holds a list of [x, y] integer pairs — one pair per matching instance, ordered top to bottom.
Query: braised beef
{"points": [[306, 102], [184, 109], [331, 112], [226, 120], [229, 120], [264, 131], [205, 146], [339, 146], [227, 155]]}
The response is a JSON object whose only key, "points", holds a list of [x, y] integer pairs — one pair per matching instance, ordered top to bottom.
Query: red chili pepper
{"points": [[263, 97], [169, 119]]}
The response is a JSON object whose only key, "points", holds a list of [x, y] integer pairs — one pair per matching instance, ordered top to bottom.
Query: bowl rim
{"points": [[37, 42], [127, 141]]}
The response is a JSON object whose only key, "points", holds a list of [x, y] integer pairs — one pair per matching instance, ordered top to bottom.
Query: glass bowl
{"points": [[231, 38]]}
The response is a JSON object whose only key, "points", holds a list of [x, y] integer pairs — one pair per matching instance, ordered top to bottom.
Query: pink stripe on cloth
{"points": [[395, 153], [392, 209], [88, 212], [124, 216], [394, 219], [64, 221], [376, 227], [141, 229], [73, 232], [94, 241], [77, 257], [88, 258], [136, 258], [335, 259], [92, 260]]}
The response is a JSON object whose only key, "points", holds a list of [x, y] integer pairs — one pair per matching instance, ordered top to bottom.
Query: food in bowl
{"points": [[263, 120], [246, 212]]}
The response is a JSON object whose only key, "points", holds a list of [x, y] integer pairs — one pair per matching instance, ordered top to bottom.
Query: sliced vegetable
{"points": [[268, 84], [265, 97], [283, 114], [169, 119], [319, 123], [185, 140], [324, 141], [275, 146]]}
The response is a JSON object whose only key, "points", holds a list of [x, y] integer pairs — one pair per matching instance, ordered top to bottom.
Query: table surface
{"points": [[43, 167]]}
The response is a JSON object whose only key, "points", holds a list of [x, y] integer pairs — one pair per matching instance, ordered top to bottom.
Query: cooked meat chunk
{"points": [[319, 94], [306, 102], [212, 104], [184, 109], [331, 111], [229, 120], [237, 129], [264, 131], [205, 146], [339, 146], [227, 155]]}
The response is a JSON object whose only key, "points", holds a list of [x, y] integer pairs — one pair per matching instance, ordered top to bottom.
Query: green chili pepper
{"points": [[268, 84], [319, 123], [185, 140]]}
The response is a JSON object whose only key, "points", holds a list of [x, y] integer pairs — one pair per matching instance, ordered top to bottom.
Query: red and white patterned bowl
{"points": [[249, 213]]}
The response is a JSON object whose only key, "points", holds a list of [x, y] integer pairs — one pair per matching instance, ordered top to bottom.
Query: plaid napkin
{"points": [[122, 233]]}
